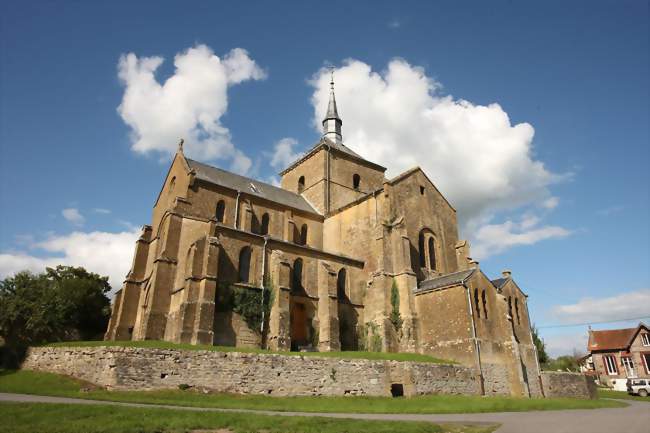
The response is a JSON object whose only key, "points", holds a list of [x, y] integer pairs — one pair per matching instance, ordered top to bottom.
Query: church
{"points": [[337, 258]]}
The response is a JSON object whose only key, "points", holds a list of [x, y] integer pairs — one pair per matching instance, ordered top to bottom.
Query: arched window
{"points": [[356, 181], [172, 183], [301, 184], [421, 190], [221, 210], [255, 224], [264, 229], [303, 235], [432, 253], [423, 259], [244, 265], [296, 276], [340, 285], [483, 298], [478, 306], [510, 306], [517, 310]]}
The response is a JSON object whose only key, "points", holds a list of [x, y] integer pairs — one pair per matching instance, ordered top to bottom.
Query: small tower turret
{"points": [[332, 122]]}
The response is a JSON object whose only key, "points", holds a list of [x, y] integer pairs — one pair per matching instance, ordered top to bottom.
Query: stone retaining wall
{"points": [[247, 373], [564, 384]]}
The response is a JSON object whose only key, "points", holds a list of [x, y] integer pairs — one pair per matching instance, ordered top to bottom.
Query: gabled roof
{"points": [[340, 147], [414, 170], [249, 186], [444, 281], [499, 282], [613, 339]]}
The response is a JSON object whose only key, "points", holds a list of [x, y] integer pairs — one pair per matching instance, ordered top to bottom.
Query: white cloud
{"points": [[189, 104], [284, 154], [480, 160], [611, 210], [102, 211], [73, 215], [491, 239], [104, 253], [626, 305], [566, 343]]}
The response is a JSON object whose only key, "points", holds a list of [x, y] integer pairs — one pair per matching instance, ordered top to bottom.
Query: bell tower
{"points": [[332, 122]]}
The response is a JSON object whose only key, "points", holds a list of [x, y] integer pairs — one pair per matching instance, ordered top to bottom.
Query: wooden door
{"points": [[298, 324]]}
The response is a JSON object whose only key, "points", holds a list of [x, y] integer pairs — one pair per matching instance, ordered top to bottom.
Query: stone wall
{"points": [[247, 373], [564, 384]]}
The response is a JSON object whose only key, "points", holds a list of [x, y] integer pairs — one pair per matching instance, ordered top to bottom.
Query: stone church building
{"points": [[337, 258]]}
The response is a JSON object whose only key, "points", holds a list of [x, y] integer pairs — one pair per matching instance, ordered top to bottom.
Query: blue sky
{"points": [[577, 72]]}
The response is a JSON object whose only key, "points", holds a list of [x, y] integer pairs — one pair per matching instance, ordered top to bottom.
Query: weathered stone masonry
{"points": [[122, 368]]}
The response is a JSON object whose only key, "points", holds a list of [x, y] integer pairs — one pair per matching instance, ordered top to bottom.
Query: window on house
{"points": [[356, 182], [172, 183], [301, 184], [421, 190], [221, 210], [255, 224], [264, 229], [303, 235], [432, 253], [423, 260], [244, 265], [296, 277], [340, 285], [484, 299], [476, 304], [510, 306], [517, 311], [645, 339], [646, 362], [610, 364], [629, 366]]}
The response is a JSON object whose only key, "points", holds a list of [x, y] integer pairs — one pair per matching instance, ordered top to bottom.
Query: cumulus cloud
{"points": [[189, 104], [284, 154], [477, 157], [73, 215], [491, 239], [104, 253], [626, 305]]}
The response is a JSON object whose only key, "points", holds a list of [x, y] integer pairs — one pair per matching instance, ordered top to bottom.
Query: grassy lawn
{"points": [[152, 344], [31, 382], [622, 395], [55, 418]]}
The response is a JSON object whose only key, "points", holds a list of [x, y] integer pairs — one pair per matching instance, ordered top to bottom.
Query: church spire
{"points": [[332, 122]]}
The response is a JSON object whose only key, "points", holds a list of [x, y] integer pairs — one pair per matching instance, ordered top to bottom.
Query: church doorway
{"points": [[298, 319]]}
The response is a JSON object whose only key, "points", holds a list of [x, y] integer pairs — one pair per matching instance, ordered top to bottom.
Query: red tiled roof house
{"points": [[619, 354]]}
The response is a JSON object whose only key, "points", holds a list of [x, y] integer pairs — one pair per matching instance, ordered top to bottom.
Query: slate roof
{"points": [[336, 146], [250, 186], [444, 281], [499, 282], [612, 339]]}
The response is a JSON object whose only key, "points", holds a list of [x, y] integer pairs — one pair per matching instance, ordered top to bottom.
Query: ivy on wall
{"points": [[247, 302], [395, 316], [370, 338]]}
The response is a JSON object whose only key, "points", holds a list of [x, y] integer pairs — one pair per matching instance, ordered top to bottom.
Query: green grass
{"points": [[152, 344], [32, 382], [621, 395], [55, 418]]}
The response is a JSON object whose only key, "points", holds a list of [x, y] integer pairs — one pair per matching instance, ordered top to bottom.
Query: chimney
{"points": [[506, 273]]}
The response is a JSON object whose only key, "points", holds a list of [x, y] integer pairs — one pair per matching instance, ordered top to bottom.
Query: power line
{"points": [[592, 323]]}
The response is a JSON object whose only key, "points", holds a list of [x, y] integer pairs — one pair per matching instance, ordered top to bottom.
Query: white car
{"points": [[638, 387]]}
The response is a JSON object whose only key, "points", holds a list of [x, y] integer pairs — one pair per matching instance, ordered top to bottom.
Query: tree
{"points": [[61, 303], [542, 356]]}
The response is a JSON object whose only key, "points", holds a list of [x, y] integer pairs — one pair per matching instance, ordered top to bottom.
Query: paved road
{"points": [[634, 418]]}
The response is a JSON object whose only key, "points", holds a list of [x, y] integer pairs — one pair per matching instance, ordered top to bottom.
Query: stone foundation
{"points": [[123, 368], [564, 384]]}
